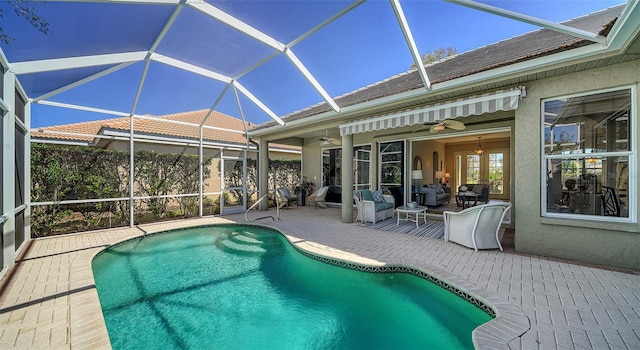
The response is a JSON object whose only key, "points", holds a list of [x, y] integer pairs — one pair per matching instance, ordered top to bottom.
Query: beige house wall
{"points": [[424, 150], [312, 162], [590, 241], [616, 244]]}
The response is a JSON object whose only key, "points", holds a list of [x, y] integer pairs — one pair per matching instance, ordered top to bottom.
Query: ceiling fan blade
{"points": [[454, 124], [422, 128], [326, 141]]}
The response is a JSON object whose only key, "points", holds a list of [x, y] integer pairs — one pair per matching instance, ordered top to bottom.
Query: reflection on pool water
{"points": [[247, 287]]}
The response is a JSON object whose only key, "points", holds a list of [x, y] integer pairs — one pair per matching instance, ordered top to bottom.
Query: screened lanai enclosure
{"points": [[91, 92]]}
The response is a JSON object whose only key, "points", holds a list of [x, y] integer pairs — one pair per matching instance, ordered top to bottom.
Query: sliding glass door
{"points": [[391, 164], [332, 167]]}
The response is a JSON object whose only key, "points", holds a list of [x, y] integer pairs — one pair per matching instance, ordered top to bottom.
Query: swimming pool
{"points": [[247, 287]]}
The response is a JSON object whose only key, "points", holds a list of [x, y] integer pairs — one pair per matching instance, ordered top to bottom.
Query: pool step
{"points": [[244, 237], [241, 238], [247, 243], [239, 248]]}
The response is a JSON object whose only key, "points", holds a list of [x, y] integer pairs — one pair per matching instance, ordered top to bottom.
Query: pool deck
{"points": [[49, 300]]}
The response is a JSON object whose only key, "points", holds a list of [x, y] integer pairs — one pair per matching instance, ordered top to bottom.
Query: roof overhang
{"points": [[623, 33]]}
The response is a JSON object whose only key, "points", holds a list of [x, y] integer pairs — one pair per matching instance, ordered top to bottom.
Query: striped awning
{"points": [[474, 105]]}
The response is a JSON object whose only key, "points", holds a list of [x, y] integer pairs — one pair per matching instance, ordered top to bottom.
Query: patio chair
{"points": [[285, 197], [318, 197], [372, 209], [476, 227]]}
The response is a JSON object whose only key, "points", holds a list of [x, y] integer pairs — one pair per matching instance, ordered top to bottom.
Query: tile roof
{"points": [[510, 51], [157, 127]]}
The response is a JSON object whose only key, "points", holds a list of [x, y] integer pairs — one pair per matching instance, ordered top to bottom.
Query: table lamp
{"points": [[416, 175], [440, 175]]}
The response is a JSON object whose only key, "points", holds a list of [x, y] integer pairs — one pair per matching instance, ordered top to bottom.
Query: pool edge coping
{"points": [[87, 327]]}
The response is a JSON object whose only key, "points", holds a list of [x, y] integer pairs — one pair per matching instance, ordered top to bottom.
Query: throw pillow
{"points": [[478, 188], [366, 195], [378, 197]]}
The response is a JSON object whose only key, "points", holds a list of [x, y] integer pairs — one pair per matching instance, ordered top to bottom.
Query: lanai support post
{"points": [[263, 172], [347, 179], [8, 228]]}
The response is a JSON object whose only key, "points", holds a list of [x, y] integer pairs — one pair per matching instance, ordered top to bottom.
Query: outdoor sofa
{"points": [[434, 195], [373, 206]]}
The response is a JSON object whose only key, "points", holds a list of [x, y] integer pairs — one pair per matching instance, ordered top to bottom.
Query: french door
{"points": [[489, 168]]}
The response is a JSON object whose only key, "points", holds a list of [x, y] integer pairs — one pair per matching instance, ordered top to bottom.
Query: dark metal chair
{"points": [[610, 203]]}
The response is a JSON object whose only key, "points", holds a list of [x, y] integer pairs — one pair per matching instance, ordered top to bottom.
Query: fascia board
{"points": [[560, 59], [522, 68], [165, 139], [60, 142]]}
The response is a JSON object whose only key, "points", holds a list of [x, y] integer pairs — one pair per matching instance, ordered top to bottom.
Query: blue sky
{"points": [[360, 48]]}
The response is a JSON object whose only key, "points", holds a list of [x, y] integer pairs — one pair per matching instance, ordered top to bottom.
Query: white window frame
{"points": [[631, 154]]}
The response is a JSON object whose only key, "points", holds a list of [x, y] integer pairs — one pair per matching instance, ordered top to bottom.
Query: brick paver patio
{"points": [[49, 300]]}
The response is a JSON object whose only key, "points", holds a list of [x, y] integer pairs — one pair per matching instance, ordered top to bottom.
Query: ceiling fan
{"points": [[447, 123], [430, 126], [326, 140]]}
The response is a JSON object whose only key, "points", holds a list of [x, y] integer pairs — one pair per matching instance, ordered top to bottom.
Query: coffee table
{"points": [[464, 199], [412, 214]]}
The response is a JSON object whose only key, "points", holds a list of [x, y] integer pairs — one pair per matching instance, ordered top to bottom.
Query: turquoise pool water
{"points": [[243, 287]]}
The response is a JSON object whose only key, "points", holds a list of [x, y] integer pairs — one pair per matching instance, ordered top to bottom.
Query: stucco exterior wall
{"points": [[424, 150], [312, 162], [615, 244]]}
